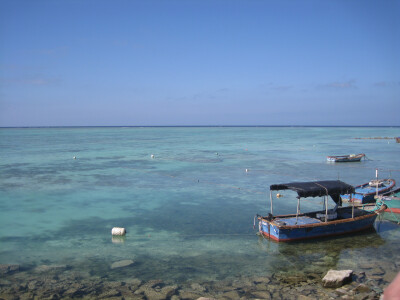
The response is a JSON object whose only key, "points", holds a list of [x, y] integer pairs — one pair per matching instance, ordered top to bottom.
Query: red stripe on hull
{"points": [[393, 210], [313, 237]]}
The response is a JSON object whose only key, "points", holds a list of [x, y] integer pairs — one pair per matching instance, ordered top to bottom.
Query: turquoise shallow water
{"points": [[189, 210]]}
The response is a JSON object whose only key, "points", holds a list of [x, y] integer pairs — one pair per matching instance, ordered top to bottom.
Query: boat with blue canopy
{"points": [[316, 224]]}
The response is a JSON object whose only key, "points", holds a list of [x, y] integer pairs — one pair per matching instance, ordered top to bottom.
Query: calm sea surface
{"points": [[189, 209]]}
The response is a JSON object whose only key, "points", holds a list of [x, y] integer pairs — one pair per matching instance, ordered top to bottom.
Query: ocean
{"points": [[187, 197]]}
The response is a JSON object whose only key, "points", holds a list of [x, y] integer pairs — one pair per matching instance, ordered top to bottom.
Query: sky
{"points": [[199, 62]]}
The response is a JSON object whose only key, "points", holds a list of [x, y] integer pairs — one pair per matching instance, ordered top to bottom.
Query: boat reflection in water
{"points": [[309, 259]]}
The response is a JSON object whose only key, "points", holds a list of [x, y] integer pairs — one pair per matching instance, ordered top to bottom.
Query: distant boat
{"points": [[346, 158], [366, 192], [323, 223]]}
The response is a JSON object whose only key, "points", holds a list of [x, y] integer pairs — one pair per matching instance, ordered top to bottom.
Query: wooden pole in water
{"points": [[270, 197], [326, 208], [352, 209]]}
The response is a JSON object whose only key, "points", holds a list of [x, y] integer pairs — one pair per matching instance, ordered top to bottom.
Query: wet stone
{"points": [[122, 264], [9, 269], [377, 271], [389, 276], [336, 278], [295, 279], [262, 280], [4, 282], [133, 282], [113, 284], [32, 285], [148, 286], [198, 287], [222, 287], [261, 287], [362, 288], [76, 290], [169, 290], [342, 291], [110, 293], [189, 295], [231, 295], [262, 295], [8, 296], [28, 296], [362, 296], [304, 297]]}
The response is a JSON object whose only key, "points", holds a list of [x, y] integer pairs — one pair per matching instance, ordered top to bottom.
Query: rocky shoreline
{"points": [[62, 282]]}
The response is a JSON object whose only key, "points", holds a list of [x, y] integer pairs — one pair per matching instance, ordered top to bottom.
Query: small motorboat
{"points": [[346, 158], [365, 193]]}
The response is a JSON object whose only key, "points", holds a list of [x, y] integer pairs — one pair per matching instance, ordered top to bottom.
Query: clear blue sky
{"points": [[205, 62]]}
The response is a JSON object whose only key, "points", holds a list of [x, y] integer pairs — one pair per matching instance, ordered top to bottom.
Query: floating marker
{"points": [[152, 156], [74, 157], [247, 170], [118, 231]]}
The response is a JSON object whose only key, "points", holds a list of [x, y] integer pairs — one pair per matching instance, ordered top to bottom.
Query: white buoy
{"points": [[152, 156], [74, 157], [247, 170], [278, 195], [118, 231]]}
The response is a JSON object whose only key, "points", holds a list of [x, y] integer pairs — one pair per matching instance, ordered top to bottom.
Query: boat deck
{"points": [[366, 190], [311, 218], [303, 220]]}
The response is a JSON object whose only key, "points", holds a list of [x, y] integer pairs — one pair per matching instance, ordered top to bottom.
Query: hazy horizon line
{"points": [[188, 126]]}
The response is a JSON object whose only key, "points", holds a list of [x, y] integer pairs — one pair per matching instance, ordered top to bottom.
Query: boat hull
{"points": [[345, 158], [366, 194], [393, 204], [395, 210], [272, 230]]}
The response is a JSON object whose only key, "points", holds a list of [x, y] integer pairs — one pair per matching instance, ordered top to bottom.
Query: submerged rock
{"points": [[122, 263], [48, 268], [8, 269], [336, 278], [198, 288], [362, 288], [110, 293], [160, 294], [230, 295], [262, 295]]}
